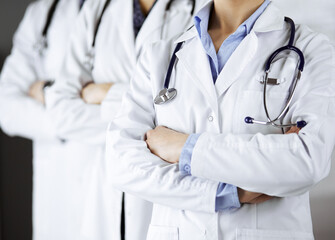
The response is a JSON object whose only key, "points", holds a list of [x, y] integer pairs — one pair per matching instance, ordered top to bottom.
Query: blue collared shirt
{"points": [[81, 3], [139, 17], [218, 60], [226, 197]]}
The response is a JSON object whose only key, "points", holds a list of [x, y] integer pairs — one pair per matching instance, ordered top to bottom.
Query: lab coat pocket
{"points": [[162, 233], [256, 234]]}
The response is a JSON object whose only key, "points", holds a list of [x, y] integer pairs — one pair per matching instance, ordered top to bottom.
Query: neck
{"points": [[146, 5], [228, 15]]}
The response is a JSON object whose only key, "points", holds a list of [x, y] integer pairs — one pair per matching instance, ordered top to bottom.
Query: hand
{"points": [[36, 91], [95, 93], [293, 129], [166, 143], [251, 197]]}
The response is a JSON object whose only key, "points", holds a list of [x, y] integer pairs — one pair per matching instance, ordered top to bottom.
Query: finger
{"points": [[293, 130], [148, 134], [147, 142], [250, 196], [246, 197], [261, 199]]}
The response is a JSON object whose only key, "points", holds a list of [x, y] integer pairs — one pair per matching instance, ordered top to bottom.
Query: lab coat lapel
{"points": [[270, 20], [154, 21], [126, 26], [195, 60], [237, 63]]}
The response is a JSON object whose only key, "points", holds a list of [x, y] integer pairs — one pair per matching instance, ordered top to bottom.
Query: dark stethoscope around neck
{"points": [[42, 44], [90, 55], [167, 93]]}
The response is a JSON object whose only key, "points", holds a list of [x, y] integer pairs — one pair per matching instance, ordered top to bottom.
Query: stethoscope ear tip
{"points": [[249, 120], [301, 124]]}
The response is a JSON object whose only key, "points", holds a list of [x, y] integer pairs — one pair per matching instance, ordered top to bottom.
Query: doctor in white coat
{"points": [[104, 48], [31, 66], [216, 157]]}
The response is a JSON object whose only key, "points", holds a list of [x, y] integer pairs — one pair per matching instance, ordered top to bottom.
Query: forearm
{"points": [[111, 105], [23, 116], [74, 119], [277, 165], [135, 170]]}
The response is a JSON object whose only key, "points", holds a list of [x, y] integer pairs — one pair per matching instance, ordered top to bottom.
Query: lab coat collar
{"points": [[272, 19], [155, 20], [189, 34], [193, 58]]}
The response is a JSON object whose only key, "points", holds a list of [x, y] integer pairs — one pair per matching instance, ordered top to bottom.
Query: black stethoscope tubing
{"points": [[168, 6], [51, 13], [99, 22], [42, 43], [90, 54], [167, 94]]}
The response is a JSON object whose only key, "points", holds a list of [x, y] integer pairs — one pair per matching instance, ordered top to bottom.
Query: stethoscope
{"points": [[42, 44], [90, 55], [167, 93]]}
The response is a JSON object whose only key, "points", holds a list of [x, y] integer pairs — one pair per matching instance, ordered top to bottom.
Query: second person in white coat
{"points": [[104, 49]]}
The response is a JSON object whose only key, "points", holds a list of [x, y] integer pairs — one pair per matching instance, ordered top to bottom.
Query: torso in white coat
{"points": [[116, 52], [20, 115], [255, 158]]}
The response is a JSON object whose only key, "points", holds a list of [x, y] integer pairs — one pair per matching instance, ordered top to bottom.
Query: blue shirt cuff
{"points": [[186, 154], [226, 197]]}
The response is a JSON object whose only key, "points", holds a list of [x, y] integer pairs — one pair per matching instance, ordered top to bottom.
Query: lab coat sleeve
{"points": [[113, 101], [20, 115], [73, 118], [275, 164], [134, 169]]}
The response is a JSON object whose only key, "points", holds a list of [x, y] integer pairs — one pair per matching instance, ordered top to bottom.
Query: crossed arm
{"points": [[168, 145]]}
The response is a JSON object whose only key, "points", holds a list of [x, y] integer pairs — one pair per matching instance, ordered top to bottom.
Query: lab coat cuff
{"points": [[111, 105], [186, 154], [198, 166], [210, 196], [226, 197]]}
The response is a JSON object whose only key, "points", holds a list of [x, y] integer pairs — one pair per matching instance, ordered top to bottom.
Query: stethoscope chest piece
{"points": [[41, 45], [89, 60], [165, 95]]}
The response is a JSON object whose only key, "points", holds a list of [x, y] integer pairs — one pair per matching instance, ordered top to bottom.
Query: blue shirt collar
{"points": [[202, 18]]}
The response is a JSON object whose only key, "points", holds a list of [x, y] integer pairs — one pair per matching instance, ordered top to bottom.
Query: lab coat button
{"points": [[210, 118], [187, 168]]}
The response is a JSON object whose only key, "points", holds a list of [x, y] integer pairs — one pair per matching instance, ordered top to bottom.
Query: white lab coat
{"points": [[319, 16], [116, 53], [22, 116], [253, 157]]}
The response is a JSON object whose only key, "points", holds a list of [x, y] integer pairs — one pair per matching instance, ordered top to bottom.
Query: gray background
{"points": [[15, 153]]}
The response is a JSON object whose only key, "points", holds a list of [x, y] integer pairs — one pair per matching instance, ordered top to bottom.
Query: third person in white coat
{"points": [[109, 37], [39, 47], [210, 174]]}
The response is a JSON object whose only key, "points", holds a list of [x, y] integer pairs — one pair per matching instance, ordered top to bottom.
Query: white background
{"points": [[320, 16]]}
